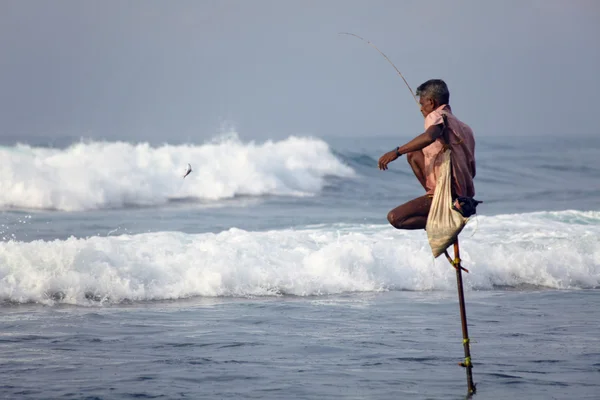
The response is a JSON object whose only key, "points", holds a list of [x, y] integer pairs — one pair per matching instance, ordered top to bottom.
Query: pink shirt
{"points": [[462, 144]]}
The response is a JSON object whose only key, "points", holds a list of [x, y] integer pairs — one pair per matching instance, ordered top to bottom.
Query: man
{"points": [[442, 128]]}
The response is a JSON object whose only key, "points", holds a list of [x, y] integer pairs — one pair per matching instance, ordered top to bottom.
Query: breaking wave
{"points": [[99, 175], [559, 250]]}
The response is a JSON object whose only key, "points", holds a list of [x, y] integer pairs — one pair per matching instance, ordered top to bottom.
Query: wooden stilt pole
{"points": [[467, 364]]}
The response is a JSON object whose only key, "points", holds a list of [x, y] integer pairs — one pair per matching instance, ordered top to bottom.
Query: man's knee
{"points": [[394, 219]]}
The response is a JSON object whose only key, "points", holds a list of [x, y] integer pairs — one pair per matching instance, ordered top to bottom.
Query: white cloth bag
{"points": [[443, 222]]}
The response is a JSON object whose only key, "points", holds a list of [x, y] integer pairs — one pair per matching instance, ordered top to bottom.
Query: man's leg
{"points": [[416, 160], [412, 214]]}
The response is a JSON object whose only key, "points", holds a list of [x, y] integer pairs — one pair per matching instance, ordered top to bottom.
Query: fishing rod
{"points": [[388, 60], [456, 262]]}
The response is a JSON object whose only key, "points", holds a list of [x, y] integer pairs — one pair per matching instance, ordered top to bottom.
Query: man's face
{"points": [[427, 105]]}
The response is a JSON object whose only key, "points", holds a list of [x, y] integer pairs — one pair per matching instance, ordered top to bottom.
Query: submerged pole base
{"points": [[471, 387]]}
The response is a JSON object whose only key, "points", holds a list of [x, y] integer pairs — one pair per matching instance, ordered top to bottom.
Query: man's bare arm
{"points": [[423, 140], [418, 143]]}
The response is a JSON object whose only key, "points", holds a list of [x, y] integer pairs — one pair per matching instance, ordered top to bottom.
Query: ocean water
{"points": [[270, 272]]}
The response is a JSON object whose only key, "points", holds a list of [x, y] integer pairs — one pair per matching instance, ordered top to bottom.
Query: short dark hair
{"points": [[435, 89]]}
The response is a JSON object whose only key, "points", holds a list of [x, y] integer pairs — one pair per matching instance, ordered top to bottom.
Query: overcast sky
{"points": [[186, 69]]}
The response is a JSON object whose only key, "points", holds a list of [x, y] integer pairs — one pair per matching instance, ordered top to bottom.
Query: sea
{"points": [[271, 272]]}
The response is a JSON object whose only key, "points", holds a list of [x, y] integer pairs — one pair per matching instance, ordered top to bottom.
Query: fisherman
{"points": [[442, 129]]}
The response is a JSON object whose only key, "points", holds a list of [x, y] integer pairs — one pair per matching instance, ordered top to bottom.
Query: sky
{"points": [[188, 70]]}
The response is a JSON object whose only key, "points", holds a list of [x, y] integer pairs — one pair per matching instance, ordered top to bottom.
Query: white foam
{"points": [[100, 175], [554, 250]]}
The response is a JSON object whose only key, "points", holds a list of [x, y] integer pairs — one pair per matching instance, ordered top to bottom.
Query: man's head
{"points": [[432, 94]]}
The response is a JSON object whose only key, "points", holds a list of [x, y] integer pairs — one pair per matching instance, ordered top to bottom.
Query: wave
{"points": [[99, 175], [559, 250]]}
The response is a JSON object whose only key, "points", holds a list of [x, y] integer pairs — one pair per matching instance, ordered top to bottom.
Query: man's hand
{"points": [[387, 158]]}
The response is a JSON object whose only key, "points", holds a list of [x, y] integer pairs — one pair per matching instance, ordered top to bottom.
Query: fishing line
{"points": [[386, 57]]}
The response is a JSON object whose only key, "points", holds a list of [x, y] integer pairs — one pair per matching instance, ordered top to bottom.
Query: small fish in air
{"points": [[188, 170]]}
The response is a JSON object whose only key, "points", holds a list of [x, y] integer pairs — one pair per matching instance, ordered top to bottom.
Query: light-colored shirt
{"points": [[462, 144]]}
